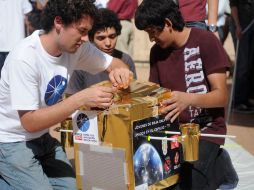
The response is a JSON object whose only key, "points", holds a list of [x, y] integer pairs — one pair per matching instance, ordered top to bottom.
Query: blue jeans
{"points": [[200, 25], [3, 56], [39, 164], [4, 185]]}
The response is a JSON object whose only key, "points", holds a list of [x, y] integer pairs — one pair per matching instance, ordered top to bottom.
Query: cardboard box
{"points": [[112, 147]]}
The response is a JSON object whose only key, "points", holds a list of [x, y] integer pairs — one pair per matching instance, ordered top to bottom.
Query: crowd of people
{"points": [[63, 47]]}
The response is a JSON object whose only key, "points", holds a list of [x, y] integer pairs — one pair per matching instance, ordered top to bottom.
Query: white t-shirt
{"points": [[101, 3], [12, 25], [33, 79]]}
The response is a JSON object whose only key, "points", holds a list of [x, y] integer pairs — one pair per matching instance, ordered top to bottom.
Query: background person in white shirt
{"points": [[12, 25]]}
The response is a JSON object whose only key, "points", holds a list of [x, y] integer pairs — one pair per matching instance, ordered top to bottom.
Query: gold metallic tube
{"points": [[66, 137], [190, 141]]}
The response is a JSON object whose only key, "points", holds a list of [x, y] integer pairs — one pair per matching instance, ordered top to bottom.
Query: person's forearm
{"points": [[212, 12], [116, 63], [217, 95], [215, 98], [44, 118]]}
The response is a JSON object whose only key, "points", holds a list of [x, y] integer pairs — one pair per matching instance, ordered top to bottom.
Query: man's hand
{"points": [[119, 74], [121, 77], [96, 96], [173, 106]]}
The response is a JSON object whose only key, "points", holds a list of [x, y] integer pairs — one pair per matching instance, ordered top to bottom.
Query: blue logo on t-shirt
{"points": [[55, 89], [83, 122]]}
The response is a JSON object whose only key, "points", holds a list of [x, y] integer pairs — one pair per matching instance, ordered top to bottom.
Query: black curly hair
{"points": [[70, 11], [152, 13], [34, 17], [106, 19]]}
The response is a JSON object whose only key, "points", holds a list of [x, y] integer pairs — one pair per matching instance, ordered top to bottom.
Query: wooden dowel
{"points": [[66, 130], [172, 133], [203, 134], [218, 136], [161, 138]]}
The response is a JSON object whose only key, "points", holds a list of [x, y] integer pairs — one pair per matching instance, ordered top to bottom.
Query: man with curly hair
{"points": [[103, 35], [35, 76]]}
